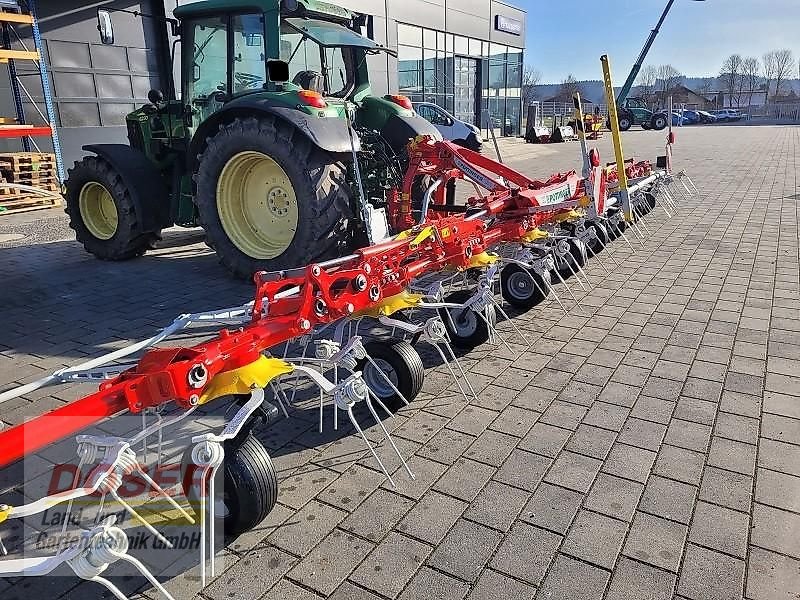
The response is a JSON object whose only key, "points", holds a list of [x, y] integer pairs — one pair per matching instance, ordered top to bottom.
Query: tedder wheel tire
{"points": [[650, 197], [269, 199], [102, 212], [600, 241], [578, 251], [523, 288], [470, 329], [401, 363], [250, 484]]}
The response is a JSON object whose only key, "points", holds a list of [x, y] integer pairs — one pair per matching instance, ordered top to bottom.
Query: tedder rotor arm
{"points": [[290, 304]]}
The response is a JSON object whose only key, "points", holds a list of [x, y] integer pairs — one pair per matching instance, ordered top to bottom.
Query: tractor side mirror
{"points": [[105, 27], [278, 71]]}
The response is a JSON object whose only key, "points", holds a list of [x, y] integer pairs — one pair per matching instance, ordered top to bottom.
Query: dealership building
{"points": [[464, 55]]}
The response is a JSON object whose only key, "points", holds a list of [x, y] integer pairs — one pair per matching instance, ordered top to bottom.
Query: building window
{"points": [[474, 80]]}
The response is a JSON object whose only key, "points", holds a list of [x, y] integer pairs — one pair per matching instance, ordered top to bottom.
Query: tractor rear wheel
{"points": [[269, 199], [102, 212]]}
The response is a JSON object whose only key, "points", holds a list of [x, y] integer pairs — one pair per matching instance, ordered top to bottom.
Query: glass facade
{"points": [[477, 81]]}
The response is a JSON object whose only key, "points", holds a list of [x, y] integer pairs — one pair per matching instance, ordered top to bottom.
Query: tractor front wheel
{"points": [[269, 199], [102, 212]]}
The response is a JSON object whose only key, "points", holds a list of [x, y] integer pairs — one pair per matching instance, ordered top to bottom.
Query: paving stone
{"points": [[669, 369], [745, 384], [702, 388], [781, 404], [653, 409], [695, 410], [563, 414], [607, 416], [472, 420], [515, 421], [737, 427], [781, 428], [641, 433], [689, 435], [545, 439], [591, 441], [446, 446], [491, 447], [732, 455], [779, 456], [629, 462], [680, 464], [523, 470], [573, 471], [426, 472], [464, 479], [352, 487], [778, 489], [732, 490], [614, 497], [669, 499], [497, 505], [552, 507], [377, 515], [432, 517], [307, 528], [720, 528], [775, 529], [595, 538], [655, 541], [465, 550], [526, 552], [271, 564], [328, 565], [391, 565], [709, 575], [771, 575], [573, 580], [633, 580], [490, 582], [432, 585], [286, 590], [348, 591]]}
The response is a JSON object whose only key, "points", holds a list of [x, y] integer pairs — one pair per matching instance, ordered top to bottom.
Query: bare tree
{"points": [[784, 66], [770, 68], [751, 73], [731, 76], [531, 77], [668, 78], [647, 82], [568, 88], [706, 88]]}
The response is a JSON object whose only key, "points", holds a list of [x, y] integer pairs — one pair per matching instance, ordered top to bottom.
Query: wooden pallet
{"points": [[20, 158], [29, 178], [12, 193], [27, 203]]}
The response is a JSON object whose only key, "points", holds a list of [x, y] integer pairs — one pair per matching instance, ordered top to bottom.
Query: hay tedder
{"points": [[337, 337]]}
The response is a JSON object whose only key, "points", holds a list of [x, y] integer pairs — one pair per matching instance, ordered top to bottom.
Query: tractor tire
{"points": [[659, 122], [625, 123], [269, 199], [102, 212], [401, 363], [250, 484]]}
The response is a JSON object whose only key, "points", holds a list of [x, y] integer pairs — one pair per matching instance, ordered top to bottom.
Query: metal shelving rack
{"points": [[23, 13]]}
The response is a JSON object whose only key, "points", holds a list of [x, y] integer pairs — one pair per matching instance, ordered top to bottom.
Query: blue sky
{"points": [[696, 37]]}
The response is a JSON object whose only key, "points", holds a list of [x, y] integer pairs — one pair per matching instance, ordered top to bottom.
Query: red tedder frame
{"points": [[289, 304]]}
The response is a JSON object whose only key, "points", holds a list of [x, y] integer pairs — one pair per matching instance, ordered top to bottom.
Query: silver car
{"points": [[460, 132]]}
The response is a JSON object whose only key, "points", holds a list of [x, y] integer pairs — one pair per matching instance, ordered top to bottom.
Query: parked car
{"points": [[727, 114], [691, 117], [706, 117], [678, 120], [462, 133]]}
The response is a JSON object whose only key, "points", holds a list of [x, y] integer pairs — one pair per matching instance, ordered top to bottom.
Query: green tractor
{"points": [[634, 111], [264, 147]]}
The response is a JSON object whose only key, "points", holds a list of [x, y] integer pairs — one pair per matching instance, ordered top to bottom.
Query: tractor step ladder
{"points": [[15, 14]]}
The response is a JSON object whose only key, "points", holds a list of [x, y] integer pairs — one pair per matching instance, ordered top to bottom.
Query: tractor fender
{"points": [[401, 129], [327, 133], [143, 180]]}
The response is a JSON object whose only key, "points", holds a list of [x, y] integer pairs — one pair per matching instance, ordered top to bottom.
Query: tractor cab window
{"points": [[207, 51], [249, 53]]}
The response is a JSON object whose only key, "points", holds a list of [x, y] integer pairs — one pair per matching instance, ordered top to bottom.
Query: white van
{"points": [[460, 132]]}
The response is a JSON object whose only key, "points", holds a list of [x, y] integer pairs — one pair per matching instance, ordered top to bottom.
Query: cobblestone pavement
{"points": [[646, 447]]}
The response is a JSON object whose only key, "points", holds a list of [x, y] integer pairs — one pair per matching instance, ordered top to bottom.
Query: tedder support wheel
{"points": [[269, 199], [102, 212], [600, 239], [578, 252], [523, 288], [465, 327], [398, 361], [250, 484]]}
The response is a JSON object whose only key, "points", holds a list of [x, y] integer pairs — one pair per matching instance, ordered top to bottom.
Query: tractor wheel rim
{"points": [[257, 205], [98, 210], [521, 285], [375, 379]]}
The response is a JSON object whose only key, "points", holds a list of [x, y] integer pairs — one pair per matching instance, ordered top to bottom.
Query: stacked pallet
{"points": [[34, 169]]}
